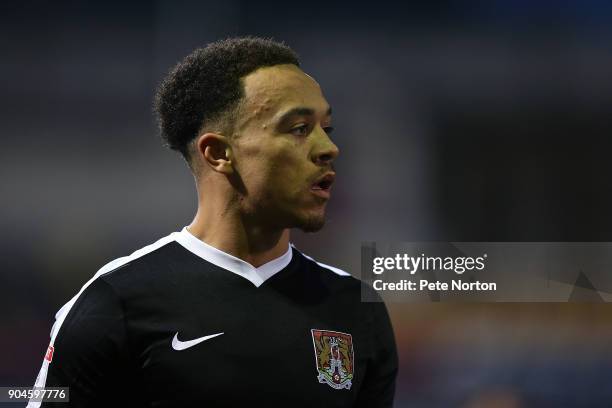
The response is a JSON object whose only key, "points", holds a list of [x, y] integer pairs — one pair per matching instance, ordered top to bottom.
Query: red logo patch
{"points": [[49, 355]]}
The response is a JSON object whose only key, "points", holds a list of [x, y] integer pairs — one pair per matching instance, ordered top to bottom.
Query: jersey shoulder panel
{"points": [[333, 269], [105, 270], [336, 277], [343, 279], [99, 294]]}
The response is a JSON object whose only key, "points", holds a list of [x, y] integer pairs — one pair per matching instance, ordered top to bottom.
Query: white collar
{"points": [[215, 256]]}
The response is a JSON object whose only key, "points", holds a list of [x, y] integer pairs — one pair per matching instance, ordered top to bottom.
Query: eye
{"points": [[328, 129], [301, 130]]}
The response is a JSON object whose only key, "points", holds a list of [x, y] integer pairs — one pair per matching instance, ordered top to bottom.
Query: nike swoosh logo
{"points": [[182, 345]]}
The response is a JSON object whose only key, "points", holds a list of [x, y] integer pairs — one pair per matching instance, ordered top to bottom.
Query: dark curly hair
{"points": [[205, 88]]}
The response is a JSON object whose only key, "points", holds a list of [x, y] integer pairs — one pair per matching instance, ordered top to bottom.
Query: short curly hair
{"points": [[205, 88]]}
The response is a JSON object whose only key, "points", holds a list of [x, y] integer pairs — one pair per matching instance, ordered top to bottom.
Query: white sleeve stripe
{"points": [[337, 271], [61, 314]]}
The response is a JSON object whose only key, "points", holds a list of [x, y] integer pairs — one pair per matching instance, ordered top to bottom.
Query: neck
{"points": [[224, 227]]}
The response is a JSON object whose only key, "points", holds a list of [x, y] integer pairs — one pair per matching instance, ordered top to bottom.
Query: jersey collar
{"points": [[257, 275]]}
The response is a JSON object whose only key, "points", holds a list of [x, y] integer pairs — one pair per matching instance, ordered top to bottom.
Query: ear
{"points": [[216, 152]]}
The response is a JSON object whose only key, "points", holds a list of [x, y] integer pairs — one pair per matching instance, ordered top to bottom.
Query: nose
{"points": [[325, 152]]}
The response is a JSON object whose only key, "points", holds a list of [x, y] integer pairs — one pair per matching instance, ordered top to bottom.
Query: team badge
{"points": [[334, 358]]}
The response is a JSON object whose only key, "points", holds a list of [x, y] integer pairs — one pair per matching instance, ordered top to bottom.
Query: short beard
{"points": [[310, 222], [313, 224]]}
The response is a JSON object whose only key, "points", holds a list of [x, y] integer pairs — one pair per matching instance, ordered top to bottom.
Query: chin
{"points": [[307, 220], [311, 224]]}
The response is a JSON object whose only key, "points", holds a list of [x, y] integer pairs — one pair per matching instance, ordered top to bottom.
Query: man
{"points": [[226, 312]]}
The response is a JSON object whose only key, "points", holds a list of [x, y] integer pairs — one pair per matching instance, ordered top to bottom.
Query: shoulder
{"points": [[137, 257], [320, 265], [111, 275], [336, 277], [342, 282]]}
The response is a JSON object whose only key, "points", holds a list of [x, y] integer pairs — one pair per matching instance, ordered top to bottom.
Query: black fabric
{"points": [[114, 347]]}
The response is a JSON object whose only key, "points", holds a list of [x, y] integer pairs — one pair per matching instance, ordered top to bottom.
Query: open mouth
{"points": [[322, 186]]}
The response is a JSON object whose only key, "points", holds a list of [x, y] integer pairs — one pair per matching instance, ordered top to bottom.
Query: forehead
{"points": [[272, 89]]}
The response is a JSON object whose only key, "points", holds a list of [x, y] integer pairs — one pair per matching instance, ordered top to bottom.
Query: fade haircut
{"points": [[204, 90]]}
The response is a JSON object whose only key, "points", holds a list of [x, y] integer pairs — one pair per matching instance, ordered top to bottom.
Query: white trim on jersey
{"points": [[335, 270], [256, 275], [41, 379]]}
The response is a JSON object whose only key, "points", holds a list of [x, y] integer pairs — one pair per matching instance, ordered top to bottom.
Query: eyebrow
{"points": [[300, 111]]}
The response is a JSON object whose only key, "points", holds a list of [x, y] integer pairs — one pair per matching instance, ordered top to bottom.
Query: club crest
{"points": [[334, 358]]}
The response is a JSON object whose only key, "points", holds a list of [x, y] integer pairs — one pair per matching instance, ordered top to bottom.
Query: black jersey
{"points": [[180, 323]]}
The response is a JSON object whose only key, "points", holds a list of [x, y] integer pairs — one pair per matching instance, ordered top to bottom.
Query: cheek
{"points": [[251, 163], [276, 169], [289, 170], [284, 176]]}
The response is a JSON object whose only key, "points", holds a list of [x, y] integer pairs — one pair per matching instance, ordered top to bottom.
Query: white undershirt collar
{"points": [[257, 276]]}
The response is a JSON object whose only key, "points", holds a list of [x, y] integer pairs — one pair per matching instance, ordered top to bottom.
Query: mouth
{"points": [[322, 186]]}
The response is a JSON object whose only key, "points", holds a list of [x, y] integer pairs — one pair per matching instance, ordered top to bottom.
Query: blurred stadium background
{"points": [[457, 121]]}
